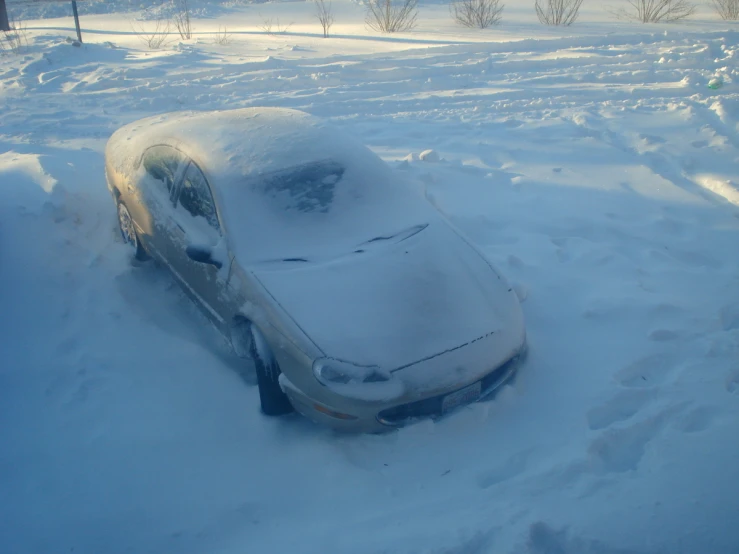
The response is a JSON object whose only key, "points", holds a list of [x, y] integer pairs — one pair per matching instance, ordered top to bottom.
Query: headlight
{"points": [[338, 372], [361, 382]]}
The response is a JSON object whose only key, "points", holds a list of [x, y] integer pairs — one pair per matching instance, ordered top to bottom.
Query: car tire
{"points": [[128, 232], [241, 339], [273, 400]]}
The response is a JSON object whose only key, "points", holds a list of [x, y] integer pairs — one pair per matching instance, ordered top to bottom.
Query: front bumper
{"points": [[433, 406], [363, 417]]}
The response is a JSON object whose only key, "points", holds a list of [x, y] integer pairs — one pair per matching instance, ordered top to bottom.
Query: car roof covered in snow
{"points": [[232, 144], [287, 184]]}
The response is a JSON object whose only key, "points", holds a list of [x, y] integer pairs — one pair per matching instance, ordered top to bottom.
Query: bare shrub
{"points": [[727, 9], [657, 11], [558, 12], [476, 13], [324, 15], [391, 16], [181, 18], [272, 26], [223, 37], [153, 38], [15, 40]]}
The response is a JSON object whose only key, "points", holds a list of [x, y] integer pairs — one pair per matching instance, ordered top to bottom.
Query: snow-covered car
{"points": [[360, 305]]}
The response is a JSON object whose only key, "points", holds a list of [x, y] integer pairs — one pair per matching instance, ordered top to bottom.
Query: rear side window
{"points": [[161, 164], [195, 196]]}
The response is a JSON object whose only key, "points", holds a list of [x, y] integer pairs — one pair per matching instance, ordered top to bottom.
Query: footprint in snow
{"points": [[670, 226], [581, 250], [563, 253], [562, 256], [693, 259], [515, 262], [666, 310], [730, 317], [661, 335], [67, 346], [646, 372], [732, 382], [83, 383], [84, 390], [622, 406], [698, 419], [621, 450], [512, 467], [544, 539], [478, 543]]}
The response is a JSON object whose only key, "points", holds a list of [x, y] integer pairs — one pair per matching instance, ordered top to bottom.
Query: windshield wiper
{"points": [[401, 235]]}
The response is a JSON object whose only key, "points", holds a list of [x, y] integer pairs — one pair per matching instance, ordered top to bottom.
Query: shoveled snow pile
{"points": [[595, 168]]}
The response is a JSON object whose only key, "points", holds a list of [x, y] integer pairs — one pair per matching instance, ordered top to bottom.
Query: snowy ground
{"points": [[592, 164]]}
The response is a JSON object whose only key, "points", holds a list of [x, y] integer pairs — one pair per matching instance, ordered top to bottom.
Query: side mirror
{"points": [[202, 255]]}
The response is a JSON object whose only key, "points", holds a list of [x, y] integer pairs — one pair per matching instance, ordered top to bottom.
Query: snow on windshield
{"points": [[306, 188], [319, 209]]}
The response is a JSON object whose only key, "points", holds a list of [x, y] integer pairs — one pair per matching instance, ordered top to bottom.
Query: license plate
{"points": [[462, 396]]}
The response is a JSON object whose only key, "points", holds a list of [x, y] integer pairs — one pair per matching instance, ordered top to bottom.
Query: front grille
{"points": [[431, 407]]}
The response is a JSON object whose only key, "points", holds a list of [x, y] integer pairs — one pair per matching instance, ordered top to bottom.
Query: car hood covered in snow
{"points": [[395, 301]]}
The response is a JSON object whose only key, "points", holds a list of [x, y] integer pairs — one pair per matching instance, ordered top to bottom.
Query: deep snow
{"points": [[593, 165]]}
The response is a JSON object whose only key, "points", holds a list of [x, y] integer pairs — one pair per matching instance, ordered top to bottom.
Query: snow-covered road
{"points": [[599, 173]]}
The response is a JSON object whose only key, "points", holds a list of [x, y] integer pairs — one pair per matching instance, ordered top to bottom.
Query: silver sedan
{"points": [[359, 304]]}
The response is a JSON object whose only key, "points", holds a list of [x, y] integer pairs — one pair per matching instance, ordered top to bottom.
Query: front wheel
{"points": [[128, 232], [273, 400]]}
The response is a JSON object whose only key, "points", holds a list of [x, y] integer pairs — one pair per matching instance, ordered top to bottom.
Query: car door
{"points": [[163, 168], [195, 223]]}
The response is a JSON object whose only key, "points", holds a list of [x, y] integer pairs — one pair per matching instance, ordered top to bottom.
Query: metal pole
{"points": [[76, 19], [4, 24]]}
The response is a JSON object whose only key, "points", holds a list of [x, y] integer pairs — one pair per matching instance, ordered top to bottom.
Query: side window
{"points": [[161, 164], [195, 196]]}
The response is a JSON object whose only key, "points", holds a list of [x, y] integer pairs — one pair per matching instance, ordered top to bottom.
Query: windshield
{"points": [[308, 188], [320, 210]]}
